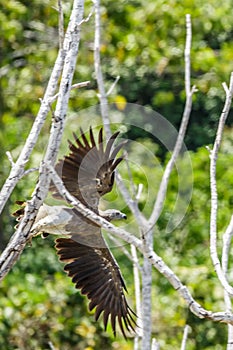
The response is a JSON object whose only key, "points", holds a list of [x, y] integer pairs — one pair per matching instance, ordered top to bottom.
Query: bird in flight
{"points": [[88, 173]]}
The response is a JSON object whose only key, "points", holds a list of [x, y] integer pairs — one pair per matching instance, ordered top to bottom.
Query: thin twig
{"points": [[87, 19], [61, 24], [187, 53], [98, 71], [113, 85], [74, 86], [225, 87], [180, 138], [10, 158], [31, 170], [26, 172], [132, 184], [213, 187], [139, 192], [227, 237], [119, 244], [137, 285], [185, 337], [51, 345], [155, 345]]}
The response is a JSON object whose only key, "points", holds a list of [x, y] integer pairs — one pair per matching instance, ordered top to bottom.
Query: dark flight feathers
{"points": [[88, 173], [95, 272]]}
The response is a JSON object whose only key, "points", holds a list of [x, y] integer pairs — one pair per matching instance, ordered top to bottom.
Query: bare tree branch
{"points": [[61, 24], [187, 52], [65, 64], [98, 71], [74, 86], [113, 86], [102, 95], [183, 127], [17, 170], [214, 195], [132, 203], [22, 234], [227, 237], [116, 241], [148, 253], [137, 286], [185, 337], [155, 345]]}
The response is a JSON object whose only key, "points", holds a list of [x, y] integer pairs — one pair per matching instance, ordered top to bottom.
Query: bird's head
{"points": [[112, 214]]}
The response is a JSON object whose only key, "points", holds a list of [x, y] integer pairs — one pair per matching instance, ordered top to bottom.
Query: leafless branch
{"points": [[87, 19], [61, 24], [187, 52], [98, 71], [113, 85], [74, 86], [105, 114], [183, 127], [9, 156], [17, 169], [29, 171], [26, 172], [130, 176], [139, 192], [214, 195], [132, 203], [22, 234], [227, 237], [116, 241], [148, 253], [137, 286], [185, 337], [51, 345], [155, 345]]}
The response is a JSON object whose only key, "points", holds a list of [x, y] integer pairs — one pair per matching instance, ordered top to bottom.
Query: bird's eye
{"points": [[98, 182]]}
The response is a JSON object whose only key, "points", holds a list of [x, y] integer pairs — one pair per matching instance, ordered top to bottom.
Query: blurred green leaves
{"points": [[143, 42]]}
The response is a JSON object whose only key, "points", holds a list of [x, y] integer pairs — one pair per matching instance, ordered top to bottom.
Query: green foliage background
{"points": [[143, 42]]}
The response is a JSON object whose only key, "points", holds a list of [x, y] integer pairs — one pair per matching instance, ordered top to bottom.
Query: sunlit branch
{"points": [[70, 50], [183, 127], [213, 188], [154, 259], [185, 337]]}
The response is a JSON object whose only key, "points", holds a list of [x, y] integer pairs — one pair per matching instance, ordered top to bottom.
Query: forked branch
{"points": [[213, 188]]}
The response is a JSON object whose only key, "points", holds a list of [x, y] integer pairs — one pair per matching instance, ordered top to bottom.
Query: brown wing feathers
{"points": [[87, 164], [88, 173], [95, 272]]}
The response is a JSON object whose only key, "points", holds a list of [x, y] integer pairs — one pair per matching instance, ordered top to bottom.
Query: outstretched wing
{"points": [[88, 171], [96, 273]]}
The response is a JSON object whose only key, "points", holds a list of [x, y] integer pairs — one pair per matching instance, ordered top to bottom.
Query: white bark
{"points": [[69, 51], [65, 64], [98, 71], [183, 127], [17, 170], [214, 195], [227, 237], [146, 251], [185, 337]]}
